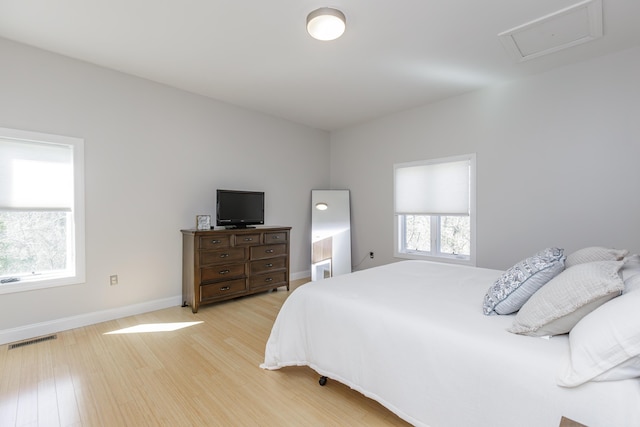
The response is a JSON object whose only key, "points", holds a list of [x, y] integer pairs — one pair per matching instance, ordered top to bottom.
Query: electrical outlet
{"points": [[371, 254], [113, 279]]}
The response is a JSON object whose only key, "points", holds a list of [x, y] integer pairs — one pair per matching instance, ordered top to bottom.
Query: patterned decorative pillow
{"points": [[593, 254], [509, 293], [560, 304]]}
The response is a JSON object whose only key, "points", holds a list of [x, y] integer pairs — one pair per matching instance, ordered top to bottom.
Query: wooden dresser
{"points": [[222, 264]]}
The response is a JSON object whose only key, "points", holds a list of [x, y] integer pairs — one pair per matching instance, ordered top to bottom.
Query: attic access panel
{"points": [[565, 28]]}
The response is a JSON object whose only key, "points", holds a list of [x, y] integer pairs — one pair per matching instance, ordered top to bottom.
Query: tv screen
{"points": [[239, 208]]}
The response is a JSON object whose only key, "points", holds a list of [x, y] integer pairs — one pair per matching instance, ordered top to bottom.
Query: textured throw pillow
{"points": [[594, 253], [518, 283], [559, 305], [605, 345]]}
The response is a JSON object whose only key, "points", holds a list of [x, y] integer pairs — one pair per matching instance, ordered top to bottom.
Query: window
{"points": [[434, 205], [41, 210]]}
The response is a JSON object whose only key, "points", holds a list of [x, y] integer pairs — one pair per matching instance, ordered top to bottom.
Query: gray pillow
{"points": [[593, 254], [517, 284], [560, 304]]}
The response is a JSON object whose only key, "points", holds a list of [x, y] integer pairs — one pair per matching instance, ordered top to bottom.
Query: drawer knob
{"points": [[276, 237], [248, 239], [215, 242], [269, 251], [224, 255], [268, 265], [223, 271], [269, 279], [225, 288]]}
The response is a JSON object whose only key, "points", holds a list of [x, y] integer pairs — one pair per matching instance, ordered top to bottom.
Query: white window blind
{"points": [[35, 175], [432, 188]]}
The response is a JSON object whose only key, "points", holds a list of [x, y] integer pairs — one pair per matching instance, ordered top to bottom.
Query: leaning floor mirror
{"points": [[330, 233]]}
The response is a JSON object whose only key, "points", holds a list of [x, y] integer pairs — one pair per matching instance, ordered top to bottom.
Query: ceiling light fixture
{"points": [[326, 24], [322, 206]]}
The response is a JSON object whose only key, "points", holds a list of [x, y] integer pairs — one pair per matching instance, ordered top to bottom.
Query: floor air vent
{"points": [[32, 341]]}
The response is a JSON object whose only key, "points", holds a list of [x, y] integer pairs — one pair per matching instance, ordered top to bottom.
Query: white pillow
{"points": [[593, 254], [631, 266], [632, 283], [516, 285], [560, 304], [605, 345]]}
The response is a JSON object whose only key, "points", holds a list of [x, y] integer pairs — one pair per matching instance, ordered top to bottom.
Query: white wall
{"points": [[154, 157], [558, 158], [557, 165]]}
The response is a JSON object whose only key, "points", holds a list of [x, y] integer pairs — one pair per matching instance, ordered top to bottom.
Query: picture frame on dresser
{"points": [[203, 222]]}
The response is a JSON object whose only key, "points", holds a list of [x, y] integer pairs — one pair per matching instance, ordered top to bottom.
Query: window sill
{"points": [[449, 259], [31, 283]]}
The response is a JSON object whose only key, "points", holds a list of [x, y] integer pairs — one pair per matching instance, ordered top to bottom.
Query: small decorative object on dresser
{"points": [[203, 222], [228, 263], [566, 422]]}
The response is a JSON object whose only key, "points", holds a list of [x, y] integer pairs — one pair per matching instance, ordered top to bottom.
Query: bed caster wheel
{"points": [[322, 381]]}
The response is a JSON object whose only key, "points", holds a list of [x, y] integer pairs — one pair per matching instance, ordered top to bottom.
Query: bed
{"points": [[412, 335]]}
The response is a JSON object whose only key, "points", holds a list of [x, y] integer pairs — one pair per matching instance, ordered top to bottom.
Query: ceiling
{"points": [[256, 54]]}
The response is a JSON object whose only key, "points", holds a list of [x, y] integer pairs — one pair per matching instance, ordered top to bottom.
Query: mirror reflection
{"points": [[330, 233]]}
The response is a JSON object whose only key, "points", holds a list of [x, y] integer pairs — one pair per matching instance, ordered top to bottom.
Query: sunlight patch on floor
{"points": [[153, 327]]}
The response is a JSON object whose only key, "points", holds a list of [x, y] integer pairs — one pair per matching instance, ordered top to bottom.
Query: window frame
{"points": [[400, 250], [75, 275]]}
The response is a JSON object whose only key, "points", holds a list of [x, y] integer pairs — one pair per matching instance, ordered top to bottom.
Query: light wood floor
{"points": [[205, 374]]}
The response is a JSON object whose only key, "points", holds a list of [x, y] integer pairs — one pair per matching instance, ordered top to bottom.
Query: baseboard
{"points": [[300, 275], [66, 323]]}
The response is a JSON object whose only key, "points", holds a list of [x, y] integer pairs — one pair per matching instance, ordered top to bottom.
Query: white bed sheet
{"points": [[411, 335]]}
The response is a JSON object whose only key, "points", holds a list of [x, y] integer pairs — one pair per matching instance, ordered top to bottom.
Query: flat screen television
{"points": [[239, 209]]}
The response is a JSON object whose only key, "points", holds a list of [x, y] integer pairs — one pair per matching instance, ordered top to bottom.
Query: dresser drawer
{"points": [[278, 237], [247, 239], [217, 242], [268, 251], [224, 256], [265, 265], [221, 272], [268, 280], [221, 289]]}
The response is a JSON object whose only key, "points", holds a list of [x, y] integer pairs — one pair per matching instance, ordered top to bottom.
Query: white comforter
{"points": [[411, 335]]}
